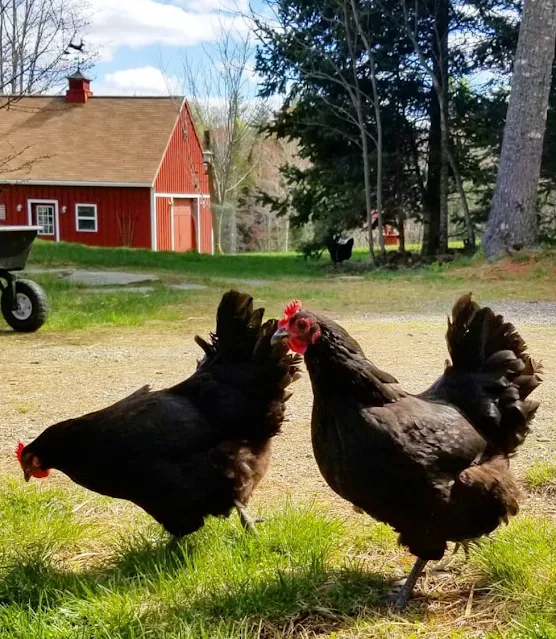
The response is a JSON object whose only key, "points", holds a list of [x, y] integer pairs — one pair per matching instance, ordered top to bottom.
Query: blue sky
{"points": [[137, 39]]}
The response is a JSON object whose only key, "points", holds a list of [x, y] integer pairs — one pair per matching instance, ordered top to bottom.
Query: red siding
{"points": [[181, 169], [182, 173], [120, 211], [163, 224]]}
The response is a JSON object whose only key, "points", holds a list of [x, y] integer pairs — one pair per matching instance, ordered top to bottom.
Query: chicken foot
{"points": [[246, 518], [445, 565], [406, 590]]}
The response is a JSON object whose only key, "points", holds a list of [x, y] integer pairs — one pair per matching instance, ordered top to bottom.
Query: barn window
{"points": [[86, 217]]}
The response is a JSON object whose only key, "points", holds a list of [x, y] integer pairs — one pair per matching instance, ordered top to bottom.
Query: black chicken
{"points": [[340, 250], [197, 449], [434, 466]]}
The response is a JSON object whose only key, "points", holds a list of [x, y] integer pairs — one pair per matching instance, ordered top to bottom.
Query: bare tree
{"points": [[363, 34], [38, 45], [319, 65], [437, 70], [227, 112], [512, 223], [269, 230]]}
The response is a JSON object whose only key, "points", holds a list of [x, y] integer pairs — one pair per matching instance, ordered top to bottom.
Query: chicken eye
{"points": [[302, 325]]}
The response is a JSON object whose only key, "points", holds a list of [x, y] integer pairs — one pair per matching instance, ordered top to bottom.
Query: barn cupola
{"points": [[79, 88]]}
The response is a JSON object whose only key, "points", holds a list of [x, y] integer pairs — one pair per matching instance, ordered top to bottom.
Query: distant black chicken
{"points": [[340, 250], [196, 449], [434, 466]]}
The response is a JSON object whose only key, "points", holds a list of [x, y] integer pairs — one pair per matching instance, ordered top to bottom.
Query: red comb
{"points": [[291, 309], [19, 450]]}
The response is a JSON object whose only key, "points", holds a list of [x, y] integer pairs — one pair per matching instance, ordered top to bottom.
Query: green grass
{"points": [[255, 265], [320, 286], [75, 307], [541, 477], [75, 565], [522, 567], [218, 583]]}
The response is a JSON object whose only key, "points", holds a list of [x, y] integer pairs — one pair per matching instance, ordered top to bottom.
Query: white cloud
{"points": [[202, 6], [140, 23], [138, 81]]}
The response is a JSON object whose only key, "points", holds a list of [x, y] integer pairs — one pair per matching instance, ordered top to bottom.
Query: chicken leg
{"points": [[245, 518], [407, 588]]}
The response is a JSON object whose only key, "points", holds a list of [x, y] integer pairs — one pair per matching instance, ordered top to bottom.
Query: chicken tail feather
{"points": [[491, 374], [242, 381]]}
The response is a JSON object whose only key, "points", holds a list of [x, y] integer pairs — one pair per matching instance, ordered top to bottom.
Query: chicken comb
{"points": [[291, 309], [19, 450]]}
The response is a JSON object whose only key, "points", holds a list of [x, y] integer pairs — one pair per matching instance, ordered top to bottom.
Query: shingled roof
{"points": [[108, 139]]}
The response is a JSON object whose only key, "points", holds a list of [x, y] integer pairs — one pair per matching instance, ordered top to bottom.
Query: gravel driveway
{"points": [[48, 377]]}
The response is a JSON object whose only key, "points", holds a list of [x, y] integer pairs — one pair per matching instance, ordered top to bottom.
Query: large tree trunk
{"points": [[512, 222], [435, 238]]}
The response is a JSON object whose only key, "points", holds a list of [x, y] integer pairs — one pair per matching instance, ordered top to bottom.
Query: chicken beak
{"points": [[280, 335], [27, 474]]}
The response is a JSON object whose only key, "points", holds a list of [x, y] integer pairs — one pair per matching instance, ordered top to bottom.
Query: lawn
{"points": [[275, 278], [81, 566]]}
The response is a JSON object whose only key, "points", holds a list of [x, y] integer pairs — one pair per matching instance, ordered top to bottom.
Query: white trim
{"points": [[76, 183], [180, 196], [53, 203], [95, 207], [172, 224], [199, 226], [154, 239]]}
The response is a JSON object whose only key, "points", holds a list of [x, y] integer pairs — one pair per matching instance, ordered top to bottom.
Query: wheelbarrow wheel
{"points": [[31, 306]]}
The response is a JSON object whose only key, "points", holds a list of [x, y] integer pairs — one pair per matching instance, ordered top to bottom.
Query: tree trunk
{"points": [[440, 53], [379, 156], [367, 182], [215, 209], [512, 223], [431, 230], [401, 231], [435, 238], [470, 242]]}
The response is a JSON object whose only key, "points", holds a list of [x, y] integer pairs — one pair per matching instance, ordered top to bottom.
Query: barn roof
{"points": [[112, 140]]}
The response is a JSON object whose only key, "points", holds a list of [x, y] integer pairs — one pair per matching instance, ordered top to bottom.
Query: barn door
{"points": [[44, 215], [185, 235]]}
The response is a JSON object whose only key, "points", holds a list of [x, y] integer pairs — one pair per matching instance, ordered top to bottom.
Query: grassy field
{"points": [[279, 277], [77, 566]]}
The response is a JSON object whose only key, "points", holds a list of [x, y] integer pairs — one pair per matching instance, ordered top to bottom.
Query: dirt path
{"points": [[49, 377]]}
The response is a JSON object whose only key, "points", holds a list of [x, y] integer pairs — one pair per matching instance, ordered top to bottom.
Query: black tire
{"points": [[34, 309]]}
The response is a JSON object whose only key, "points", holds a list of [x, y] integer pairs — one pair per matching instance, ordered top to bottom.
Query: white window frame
{"points": [[53, 203], [95, 207]]}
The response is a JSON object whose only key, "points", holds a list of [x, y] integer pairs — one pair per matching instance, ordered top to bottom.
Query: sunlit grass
{"points": [[541, 477], [78, 565]]}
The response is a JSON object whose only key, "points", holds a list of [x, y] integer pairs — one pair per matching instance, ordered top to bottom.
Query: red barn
{"points": [[105, 171]]}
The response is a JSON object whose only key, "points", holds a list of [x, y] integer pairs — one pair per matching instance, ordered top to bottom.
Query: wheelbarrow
{"points": [[24, 303]]}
